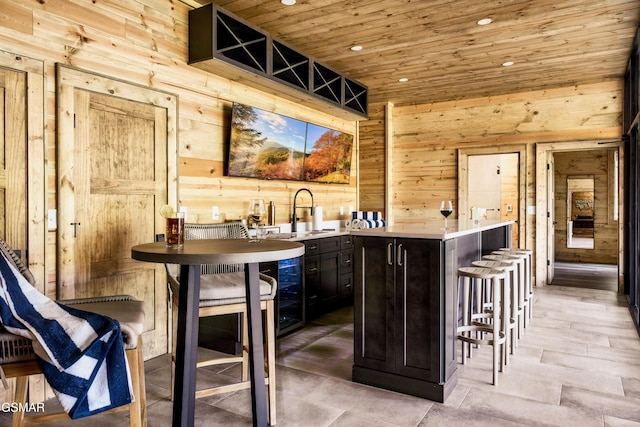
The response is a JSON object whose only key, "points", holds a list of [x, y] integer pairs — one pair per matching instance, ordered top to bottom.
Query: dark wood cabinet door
{"points": [[329, 278], [312, 284], [346, 286], [373, 304], [418, 330]]}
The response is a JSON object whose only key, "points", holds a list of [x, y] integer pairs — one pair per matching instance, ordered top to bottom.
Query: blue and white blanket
{"points": [[81, 354]]}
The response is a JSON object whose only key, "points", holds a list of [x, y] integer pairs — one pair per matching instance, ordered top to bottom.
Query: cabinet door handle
{"points": [[400, 254], [389, 257], [404, 317]]}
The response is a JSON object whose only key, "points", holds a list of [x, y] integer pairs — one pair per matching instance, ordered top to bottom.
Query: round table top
{"points": [[218, 251]]}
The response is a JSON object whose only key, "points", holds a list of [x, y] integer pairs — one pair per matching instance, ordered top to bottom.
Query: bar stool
{"points": [[518, 262], [529, 272], [528, 291], [509, 302], [472, 320]]}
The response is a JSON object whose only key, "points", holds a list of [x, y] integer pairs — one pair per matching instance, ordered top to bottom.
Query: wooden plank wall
{"points": [[145, 42], [426, 138], [372, 160]]}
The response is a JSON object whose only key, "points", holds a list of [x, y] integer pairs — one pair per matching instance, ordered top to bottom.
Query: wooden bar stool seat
{"points": [[475, 323]]}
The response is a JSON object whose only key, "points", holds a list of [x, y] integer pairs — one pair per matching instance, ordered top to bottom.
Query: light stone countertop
{"points": [[432, 229]]}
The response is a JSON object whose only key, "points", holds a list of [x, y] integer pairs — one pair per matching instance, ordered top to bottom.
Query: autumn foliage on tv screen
{"points": [[271, 146]]}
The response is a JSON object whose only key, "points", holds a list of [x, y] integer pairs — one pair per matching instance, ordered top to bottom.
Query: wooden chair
{"points": [[222, 291], [18, 360]]}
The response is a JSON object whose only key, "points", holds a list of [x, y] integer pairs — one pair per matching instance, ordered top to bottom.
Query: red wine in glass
{"points": [[446, 209]]}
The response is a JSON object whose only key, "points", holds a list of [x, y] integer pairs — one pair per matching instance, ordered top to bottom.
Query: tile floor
{"points": [[577, 365]]}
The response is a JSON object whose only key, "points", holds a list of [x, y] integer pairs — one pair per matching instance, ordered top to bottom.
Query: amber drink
{"points": [[174, 235]]}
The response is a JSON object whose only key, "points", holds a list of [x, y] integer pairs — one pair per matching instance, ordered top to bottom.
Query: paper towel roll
{"points": [[317, 218]]}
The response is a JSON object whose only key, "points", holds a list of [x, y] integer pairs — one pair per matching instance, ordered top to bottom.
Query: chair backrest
{"points": [[226, 230], [16, 261], [14, 348]]}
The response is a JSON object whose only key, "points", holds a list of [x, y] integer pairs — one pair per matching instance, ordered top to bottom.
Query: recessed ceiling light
{"points": [[288, 2], [485, 21], [356, 48], [508, 64], [403, 80]]}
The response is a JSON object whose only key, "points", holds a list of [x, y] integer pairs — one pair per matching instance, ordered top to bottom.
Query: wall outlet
{"points": [[215, 213], [52, 219]]}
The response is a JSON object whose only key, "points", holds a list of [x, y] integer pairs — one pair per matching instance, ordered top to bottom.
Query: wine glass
{"points": [[446, 209], [257, 213]]}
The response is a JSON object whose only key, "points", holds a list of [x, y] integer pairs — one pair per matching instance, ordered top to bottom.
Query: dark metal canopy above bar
{"points": [[224, 44]]}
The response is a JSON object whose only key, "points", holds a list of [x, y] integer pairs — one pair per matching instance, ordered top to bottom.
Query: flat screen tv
{"points": [[267, 145]]}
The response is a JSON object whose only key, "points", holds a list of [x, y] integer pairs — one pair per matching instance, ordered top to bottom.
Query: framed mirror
{"points": [[580, 211]]}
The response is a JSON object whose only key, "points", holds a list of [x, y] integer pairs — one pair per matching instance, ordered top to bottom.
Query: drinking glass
{"points": [[446, 209], [257, 211], [257, 214], [175, 231]]}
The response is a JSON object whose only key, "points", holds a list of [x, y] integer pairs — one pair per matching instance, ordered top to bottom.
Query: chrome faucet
{"points": [[294, 222]]}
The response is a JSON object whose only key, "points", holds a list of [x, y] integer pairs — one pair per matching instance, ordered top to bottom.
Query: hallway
{"points": [[592, 276]]}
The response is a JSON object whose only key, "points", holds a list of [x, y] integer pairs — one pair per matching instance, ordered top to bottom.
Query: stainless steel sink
{"points": [[298, 234], [280, 235]]}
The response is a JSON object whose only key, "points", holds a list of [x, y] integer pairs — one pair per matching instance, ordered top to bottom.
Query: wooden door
{"points": [[13, 149], [22, 167], [113, 180]]}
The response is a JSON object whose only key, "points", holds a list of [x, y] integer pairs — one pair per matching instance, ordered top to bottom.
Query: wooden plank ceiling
{"points": [[445, 54]]}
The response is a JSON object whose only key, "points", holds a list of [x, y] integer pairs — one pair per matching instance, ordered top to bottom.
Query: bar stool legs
{"points": [[475, 319]]}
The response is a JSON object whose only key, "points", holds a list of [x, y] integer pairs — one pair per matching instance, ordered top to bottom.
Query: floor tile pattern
{"points": [[578, 364]]}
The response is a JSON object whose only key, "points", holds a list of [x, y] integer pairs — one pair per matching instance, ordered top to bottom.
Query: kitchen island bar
{"points": [[406, 305]]}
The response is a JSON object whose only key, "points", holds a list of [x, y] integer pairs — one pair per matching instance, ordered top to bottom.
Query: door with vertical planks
{"points": [[13, 149], [23, 176], [111, 187]]}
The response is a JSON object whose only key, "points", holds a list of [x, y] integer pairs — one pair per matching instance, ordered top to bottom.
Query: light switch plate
{"points": [[52, 219]]}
